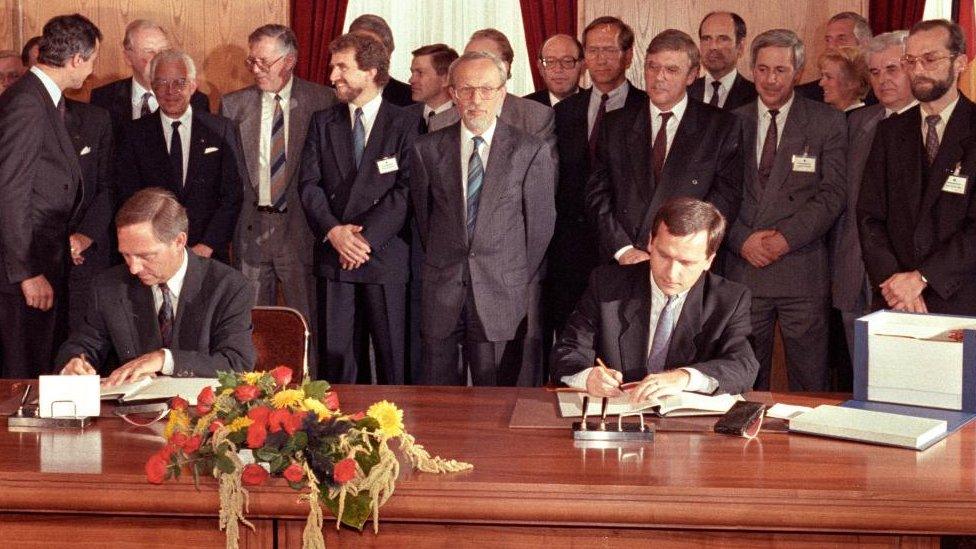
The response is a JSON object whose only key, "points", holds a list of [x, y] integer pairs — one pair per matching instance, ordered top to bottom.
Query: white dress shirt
{"points": [[49, 85], [725, 86], [137, 92], [616, 99], [447, 105], [370, 110], [889, 112], [764, 118], [186, 121], [941, 126], [264, 145], [467, 147], [175, 285], [697, 382]]}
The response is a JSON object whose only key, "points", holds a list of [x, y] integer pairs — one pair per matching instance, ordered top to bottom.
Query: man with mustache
{"points": [[721, 40], [916, 212]]}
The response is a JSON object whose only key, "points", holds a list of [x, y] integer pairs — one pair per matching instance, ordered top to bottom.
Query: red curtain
{"points": [[891, 15], [542, 19], [316, 23]]}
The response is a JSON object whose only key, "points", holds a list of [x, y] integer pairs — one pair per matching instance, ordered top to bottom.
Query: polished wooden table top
{"points": [[531, 476]]}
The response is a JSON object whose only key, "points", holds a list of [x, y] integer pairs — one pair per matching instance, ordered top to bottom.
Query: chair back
{"points": [[280, 336]]}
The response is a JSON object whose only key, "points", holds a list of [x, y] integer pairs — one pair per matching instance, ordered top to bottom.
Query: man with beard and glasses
{"points": [[916, 212]]}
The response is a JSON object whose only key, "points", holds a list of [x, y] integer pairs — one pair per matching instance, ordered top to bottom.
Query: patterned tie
{"points": [[714, 100], [62, 109], [145, 110], [597, 122], [358, 136], [932, 137], [659, 151], [176, 154], [278, 155], [768, 155], [476, 175], [166, 316], [662, 337]]}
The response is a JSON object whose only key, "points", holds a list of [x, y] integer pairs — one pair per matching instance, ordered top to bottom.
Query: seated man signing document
{"points": [[165, 311], [667, 324]]}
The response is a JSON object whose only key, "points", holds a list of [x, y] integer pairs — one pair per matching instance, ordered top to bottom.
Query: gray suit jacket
{"points": [[244, 107], [527, 115], [802, 206], [517, 214], [847, 274], [211, 331]]}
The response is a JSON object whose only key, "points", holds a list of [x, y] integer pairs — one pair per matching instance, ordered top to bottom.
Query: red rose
{"points": [[281, 375], [246, 393], [206, 396], [332, 400], [178, 403], [203, 409], [259, 414], [357, 416], [277, 419], [293, 422], [214, 425], [255, 436], [177, 439], [192, 444], [156, 468], [344, 471], [294, 473], [253, 475]]}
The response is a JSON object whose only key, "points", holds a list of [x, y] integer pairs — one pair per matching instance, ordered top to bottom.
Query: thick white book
{"points": [[161, 387], [681, 404], [870, 426]]}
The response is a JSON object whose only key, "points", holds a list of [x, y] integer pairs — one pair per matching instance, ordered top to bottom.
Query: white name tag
{"points": [[804, 163], [387, 165], [956, 184]]}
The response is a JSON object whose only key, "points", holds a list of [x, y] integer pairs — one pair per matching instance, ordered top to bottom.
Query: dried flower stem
{"points": [[233, 496]]}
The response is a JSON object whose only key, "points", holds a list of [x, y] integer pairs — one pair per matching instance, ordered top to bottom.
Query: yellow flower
{"points": [[252, 378], [227, 391], [288, 398], [317, 408], [388, 416], [178, 422], [239, 424]]}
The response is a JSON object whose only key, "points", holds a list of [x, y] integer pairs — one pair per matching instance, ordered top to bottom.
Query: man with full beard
{"points": [[916, 212]]}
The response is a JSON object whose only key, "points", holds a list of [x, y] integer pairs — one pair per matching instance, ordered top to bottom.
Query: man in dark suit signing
{"points": [[722, 38], [560, 63], [193, 154], [353, 184], [794, 189], [41, 190], [483, 194], [917, 211], [166, 311], [668, 323]]}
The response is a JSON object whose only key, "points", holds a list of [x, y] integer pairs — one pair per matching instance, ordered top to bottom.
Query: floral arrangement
{"points": [[341, 461]]}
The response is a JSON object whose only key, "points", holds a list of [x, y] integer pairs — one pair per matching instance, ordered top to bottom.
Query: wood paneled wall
{"points": [[649, 17], [213, 32]]}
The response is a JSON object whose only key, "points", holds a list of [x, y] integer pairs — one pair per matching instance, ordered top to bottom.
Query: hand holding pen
{"points": [[603, 381]]}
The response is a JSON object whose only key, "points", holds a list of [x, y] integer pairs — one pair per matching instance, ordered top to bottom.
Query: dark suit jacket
{"points": [[743, 91], [397, 93], [541, 96], [116, 98], [244, 108], [90, 129], [704, 161], [39, 184], [212, 189], [334, 192], [802, 206], [515, 222], [908, 222], [612, 322], [211, 331]]}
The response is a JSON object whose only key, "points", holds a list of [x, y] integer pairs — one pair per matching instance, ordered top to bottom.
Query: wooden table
{"points": [[529, 488]]}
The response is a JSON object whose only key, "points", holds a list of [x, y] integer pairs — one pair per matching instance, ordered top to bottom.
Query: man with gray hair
{"points": [[846, 28], [10, 68], [396, 92], [131, 98], [193, 154], [794, 190], [273, 243], [484, 246]]}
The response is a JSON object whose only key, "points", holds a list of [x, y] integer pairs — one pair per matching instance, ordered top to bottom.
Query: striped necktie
{"points": [[277, 156], [476, 175]]}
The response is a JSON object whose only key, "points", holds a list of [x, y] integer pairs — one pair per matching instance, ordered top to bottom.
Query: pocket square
{"points": [[209, 150], [85, 151]]}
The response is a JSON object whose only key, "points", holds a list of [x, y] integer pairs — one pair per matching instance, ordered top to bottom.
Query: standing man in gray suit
{"points": [[483, 193], [793, 193], [273, 243], [850, 288]]}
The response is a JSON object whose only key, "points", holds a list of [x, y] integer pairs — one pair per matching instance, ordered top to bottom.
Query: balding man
{"points": [[721, 40], [560, 63], [394, 91]]}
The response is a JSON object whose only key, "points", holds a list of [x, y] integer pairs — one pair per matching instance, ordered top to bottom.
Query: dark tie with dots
{"points": [[714, 100], [62, 110], [145, 110], [932, 137], [659, 151], [768, 155], [166, 317]]}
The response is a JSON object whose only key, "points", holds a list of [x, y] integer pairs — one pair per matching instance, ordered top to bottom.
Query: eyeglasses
{"points": [[609, 51], [928, 61], [564, 62], [261, 64], [669, 71], [178, 84], [485, 92]]}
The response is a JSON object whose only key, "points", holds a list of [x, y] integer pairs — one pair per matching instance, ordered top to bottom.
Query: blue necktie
{"points": [[358, 136], [476, 174], [662, 337]]}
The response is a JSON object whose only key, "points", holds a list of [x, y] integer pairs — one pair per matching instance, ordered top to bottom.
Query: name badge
{"points": [[804, 163], [387, 165], [956, 183]]}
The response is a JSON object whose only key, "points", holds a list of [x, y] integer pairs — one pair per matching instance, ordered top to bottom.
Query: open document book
{"points": [[162, 387], [681, 404]]}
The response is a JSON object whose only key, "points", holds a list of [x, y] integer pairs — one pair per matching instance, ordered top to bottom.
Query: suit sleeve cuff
{"points": [[621, 252], [168, 364], [577, 380], [699, 382]]}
